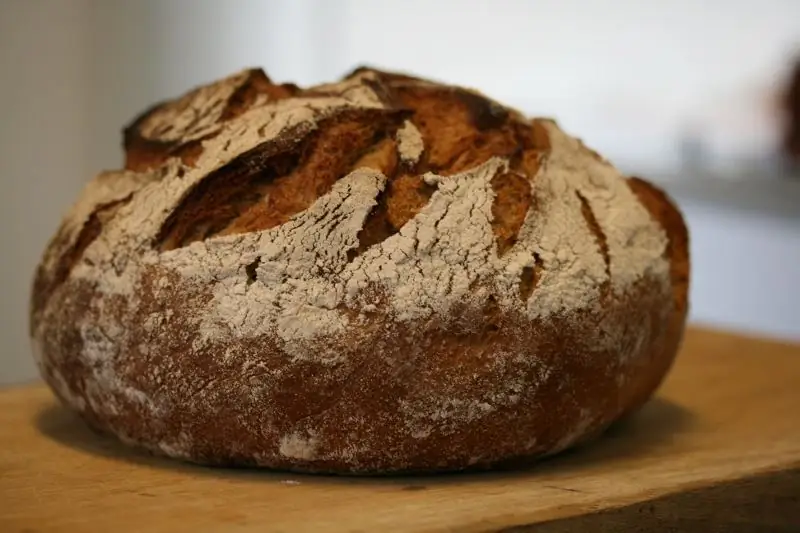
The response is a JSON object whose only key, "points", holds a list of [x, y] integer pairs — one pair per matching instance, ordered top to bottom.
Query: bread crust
{"points": [[376, 276]]}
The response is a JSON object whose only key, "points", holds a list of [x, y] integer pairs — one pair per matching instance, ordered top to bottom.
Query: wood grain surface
{"points": [[718, 450]]}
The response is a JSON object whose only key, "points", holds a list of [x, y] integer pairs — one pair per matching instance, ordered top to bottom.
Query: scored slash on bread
{"points": [[177, 128], [382, 274]]}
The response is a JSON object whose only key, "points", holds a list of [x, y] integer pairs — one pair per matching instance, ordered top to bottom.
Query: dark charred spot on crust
{"points": [[484, 113], [252, 271], [529, 279]]}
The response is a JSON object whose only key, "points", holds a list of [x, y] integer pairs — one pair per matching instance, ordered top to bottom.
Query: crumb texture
{"points": [[357, 276]]}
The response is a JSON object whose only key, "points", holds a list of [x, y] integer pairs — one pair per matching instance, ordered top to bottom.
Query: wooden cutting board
{"points": [[717, 450]]}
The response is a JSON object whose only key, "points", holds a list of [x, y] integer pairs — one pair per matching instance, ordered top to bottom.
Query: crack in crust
{"points": [[283, 176], [266, 186], [602, 243]]}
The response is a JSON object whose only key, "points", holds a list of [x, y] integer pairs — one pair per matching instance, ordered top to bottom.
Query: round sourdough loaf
{"points": [[383, 274]]}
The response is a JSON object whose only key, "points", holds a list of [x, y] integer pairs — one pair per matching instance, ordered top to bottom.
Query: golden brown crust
{"points": [[667, 214], [466, 296]]}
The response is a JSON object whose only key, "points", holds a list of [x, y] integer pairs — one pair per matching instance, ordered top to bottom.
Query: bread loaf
{"points": [[384, 274]]}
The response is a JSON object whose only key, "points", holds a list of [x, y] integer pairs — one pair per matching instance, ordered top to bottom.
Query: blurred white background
{"points": [[637, 80]]}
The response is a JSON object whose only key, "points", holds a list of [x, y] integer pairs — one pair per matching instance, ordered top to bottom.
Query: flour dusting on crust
{"points": [[194, 116], [410, 144], [304, 273], [238, 323]]}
